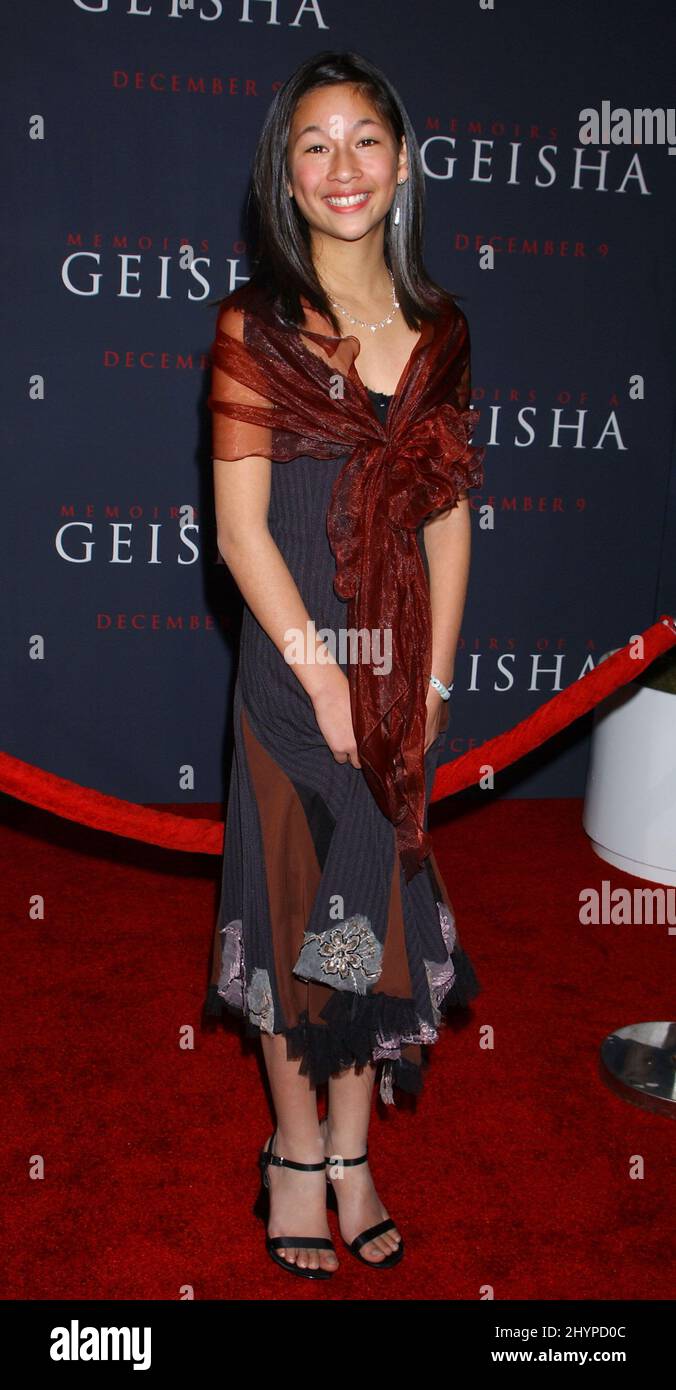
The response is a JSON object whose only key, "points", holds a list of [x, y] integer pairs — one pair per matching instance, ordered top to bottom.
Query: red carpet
{"points": [[511, 1170]]}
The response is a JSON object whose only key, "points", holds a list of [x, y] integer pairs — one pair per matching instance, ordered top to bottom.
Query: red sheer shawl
{"points": [[290, 391]]}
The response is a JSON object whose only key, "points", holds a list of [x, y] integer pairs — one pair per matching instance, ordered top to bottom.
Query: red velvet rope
{"points": [[201, 836]]}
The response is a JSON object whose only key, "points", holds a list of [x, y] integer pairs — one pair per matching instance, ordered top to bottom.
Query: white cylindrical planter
{"points": [[630, 799]]}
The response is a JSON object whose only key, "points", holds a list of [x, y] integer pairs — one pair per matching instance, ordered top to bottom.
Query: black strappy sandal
{"points": [[262, 1208], [372, 1231]]}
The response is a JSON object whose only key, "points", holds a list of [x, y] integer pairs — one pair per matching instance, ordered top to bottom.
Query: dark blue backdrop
{"points": [[132, 126]]}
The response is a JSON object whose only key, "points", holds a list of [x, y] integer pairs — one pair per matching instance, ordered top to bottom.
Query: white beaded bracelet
{"points": [[443, 690]]}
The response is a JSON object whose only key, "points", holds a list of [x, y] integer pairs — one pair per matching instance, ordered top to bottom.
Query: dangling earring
{"points": [[398, 210]]}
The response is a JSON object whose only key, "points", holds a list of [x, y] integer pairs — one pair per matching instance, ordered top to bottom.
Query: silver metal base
{"points": [[639, 1064]]}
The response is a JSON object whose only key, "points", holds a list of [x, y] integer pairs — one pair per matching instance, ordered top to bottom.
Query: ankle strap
{"points": [[268, 1157], [347, 1162], [289, 1163]]}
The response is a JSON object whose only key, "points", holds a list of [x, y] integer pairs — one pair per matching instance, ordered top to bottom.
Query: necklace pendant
{"points": [[360, 323]]}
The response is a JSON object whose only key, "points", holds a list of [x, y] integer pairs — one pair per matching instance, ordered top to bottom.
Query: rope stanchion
{"points": [[198, 835]]}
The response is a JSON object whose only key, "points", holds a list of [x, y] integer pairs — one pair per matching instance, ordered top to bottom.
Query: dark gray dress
{"points": [[319, 936]]}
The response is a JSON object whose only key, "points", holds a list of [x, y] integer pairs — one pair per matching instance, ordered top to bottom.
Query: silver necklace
{"points": [[361, 322]]}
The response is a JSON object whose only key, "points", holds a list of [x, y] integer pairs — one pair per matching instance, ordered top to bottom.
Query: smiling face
{"points": [[343, 162]]}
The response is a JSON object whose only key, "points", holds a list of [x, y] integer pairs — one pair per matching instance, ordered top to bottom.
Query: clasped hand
{"points": [[334, 716]]}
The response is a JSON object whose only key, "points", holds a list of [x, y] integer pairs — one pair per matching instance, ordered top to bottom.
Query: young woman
{"points": [[332, 954]]}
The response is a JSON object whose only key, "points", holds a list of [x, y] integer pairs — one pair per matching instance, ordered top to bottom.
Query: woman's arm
{"points": [[242, 495], [447, 539]]}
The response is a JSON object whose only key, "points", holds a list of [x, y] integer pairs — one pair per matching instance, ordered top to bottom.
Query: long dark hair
{"points": [[283, 266]]}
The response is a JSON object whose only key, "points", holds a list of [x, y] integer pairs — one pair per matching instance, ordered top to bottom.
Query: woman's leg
{"points": [[345, 1134], [297, 1200]]}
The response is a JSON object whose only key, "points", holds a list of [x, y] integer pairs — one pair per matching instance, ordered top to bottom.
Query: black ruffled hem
{"points": [[355, 1022], [354, 1025]]}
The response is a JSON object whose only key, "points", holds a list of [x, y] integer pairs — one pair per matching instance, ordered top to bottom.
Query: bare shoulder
{"points": [[230, 319]]}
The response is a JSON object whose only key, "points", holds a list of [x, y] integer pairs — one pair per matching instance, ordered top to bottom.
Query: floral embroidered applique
{"points": [[346, 956], [441, 974], [440, 978], [231, 983], [257, 1000], [260, 1001]]}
